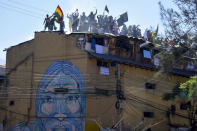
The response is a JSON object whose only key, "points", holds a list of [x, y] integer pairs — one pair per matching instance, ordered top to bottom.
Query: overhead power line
{"points": [[29, 6], [18, 11], [21, 11], [155, 107]]}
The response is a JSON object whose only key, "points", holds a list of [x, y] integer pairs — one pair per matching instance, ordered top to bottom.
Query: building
{"points": [[2, 74], [2, 79], [87, 81]]}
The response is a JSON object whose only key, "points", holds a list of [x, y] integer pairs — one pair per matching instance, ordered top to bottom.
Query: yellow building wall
{"points": [[45, 49], [133, 82], [91, 127]]}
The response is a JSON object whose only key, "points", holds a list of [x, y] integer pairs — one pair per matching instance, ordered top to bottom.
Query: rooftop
{"points": [[126, 50]]}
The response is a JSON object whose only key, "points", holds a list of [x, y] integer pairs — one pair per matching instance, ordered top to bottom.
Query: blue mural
{"points": [[60, 111]]}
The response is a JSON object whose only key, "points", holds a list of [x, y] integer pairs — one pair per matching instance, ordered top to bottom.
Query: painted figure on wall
{"points": [[60, 99], [61, 110]]}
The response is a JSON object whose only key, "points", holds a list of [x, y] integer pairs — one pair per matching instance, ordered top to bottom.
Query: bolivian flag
{"points": [[59, 14], [175, 46]]}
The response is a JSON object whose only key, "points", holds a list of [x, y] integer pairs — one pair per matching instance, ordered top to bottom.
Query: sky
{"points": [[20, 19]]}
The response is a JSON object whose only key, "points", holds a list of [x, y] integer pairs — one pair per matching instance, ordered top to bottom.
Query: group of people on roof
{"points": [[94, 23]]}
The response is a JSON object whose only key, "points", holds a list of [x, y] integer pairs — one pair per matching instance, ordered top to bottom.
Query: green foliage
{"points": [[190, 87], [187, 90], [171, 96]]}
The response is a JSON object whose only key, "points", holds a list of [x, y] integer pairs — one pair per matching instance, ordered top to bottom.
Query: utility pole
{"points": [[120, 97]]}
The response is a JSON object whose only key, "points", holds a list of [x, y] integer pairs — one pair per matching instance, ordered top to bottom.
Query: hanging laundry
{"points": [[93, 44], [88, 46], [99, 49], [147, 54], [156, 61], [104, 70]]}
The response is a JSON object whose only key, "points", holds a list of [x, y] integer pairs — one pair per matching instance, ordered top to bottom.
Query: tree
{"points": [[181, 24], [181, 28]]}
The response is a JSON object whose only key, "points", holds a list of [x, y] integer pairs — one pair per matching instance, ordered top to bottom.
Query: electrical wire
{"points": [[29, 6], [16, 7], [10, 9], [21, 12], [150, 105], [160, 109]]}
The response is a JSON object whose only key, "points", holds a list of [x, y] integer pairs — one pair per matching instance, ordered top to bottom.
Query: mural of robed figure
{"points": [[60, 99]]}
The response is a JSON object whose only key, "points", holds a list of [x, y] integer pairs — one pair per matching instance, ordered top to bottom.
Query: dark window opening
{"points": [[100, 41], [123, 42], [155, 52], [99, 63], [102, 63], [113, 63], [105, 64], [149, 86], [101, 92], [11, 103], [184, 106], [173, 109], [148, 114], [149, 129]]}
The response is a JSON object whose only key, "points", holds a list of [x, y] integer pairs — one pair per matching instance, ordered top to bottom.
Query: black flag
{"points": [[106, 9], [123, 18]]}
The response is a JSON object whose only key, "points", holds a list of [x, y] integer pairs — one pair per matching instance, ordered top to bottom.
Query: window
{"points": [[100, 41], [155, 52], [99, 63], [102, 63], [113, 63], [190, 66], [104, 67], [149, 86], [101, 92], [11, 103], [184, 106], [173, 109], [148, 114]]}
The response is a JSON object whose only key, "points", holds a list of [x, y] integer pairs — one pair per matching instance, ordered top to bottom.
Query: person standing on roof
{"points": [[75, 20], [92, 20], [47, 22], [83, 24], [62, 26], [124, 30]]}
